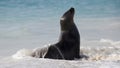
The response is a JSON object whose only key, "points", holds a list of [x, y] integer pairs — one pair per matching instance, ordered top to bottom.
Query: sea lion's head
{"points": [[67, 19]]}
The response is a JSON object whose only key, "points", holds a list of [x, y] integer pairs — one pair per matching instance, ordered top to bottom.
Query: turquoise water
{"points": [[34, 23]]}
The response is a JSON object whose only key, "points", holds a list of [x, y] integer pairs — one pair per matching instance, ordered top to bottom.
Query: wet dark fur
{"points": [[69, 41]]}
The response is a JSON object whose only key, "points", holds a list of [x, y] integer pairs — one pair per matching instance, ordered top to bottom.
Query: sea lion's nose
{"points": [[72, 10]]}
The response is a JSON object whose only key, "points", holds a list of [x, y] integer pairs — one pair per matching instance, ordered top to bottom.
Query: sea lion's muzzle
{"points": [[72, 10], [68, 15]]}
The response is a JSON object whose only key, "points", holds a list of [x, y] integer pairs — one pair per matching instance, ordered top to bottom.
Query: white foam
{"points": [[110, 41], [104, 50], [22, 53], [110, 53], [106, 54], [50, 63]]}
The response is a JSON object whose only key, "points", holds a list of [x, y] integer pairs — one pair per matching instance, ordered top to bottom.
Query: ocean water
{"points": [[29, 24]]}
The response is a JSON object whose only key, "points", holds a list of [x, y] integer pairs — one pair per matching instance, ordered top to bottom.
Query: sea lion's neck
{"points": [[67, 26]]}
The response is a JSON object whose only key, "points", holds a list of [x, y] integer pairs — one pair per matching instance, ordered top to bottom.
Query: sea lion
{"points": [[68, 46]]}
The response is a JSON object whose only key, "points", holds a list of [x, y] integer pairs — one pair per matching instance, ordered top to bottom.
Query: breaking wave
{"points": [[105, 50]]}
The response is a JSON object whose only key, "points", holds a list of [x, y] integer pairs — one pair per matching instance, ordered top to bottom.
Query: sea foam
{"points": [[107, 50]]}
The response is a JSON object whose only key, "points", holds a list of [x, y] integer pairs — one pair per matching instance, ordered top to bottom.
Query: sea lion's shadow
{"points": [[83, 56]]}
